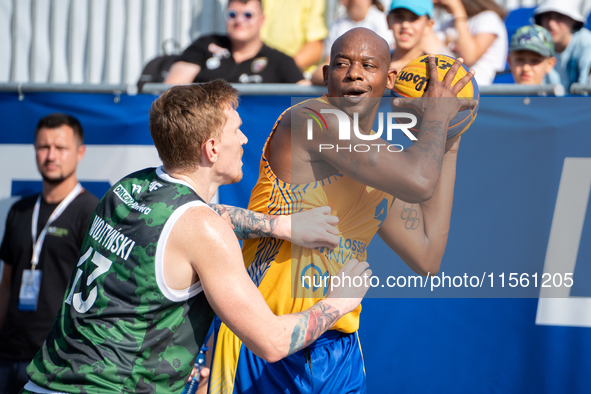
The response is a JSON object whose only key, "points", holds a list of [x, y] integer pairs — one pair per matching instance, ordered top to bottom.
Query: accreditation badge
{"points": [[29, 293]]}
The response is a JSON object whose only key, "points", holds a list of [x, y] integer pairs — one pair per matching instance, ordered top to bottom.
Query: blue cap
{"points": [[419, 7]]}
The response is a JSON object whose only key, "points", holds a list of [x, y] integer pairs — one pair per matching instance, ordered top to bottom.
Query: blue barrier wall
{"points": [[474, 339]]}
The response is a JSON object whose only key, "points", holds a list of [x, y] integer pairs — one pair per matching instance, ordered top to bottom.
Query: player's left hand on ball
{"points": [[444, 88], [441, 96], [315, 228]]}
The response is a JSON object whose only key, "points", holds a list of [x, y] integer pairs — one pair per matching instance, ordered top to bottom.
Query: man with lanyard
{"points": [[41, 243]]}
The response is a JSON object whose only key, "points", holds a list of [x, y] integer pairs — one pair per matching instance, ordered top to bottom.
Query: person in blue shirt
{"points": [[572, 41]]}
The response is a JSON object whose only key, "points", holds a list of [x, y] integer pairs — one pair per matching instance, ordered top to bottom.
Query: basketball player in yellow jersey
{"points": [[377, 191]]}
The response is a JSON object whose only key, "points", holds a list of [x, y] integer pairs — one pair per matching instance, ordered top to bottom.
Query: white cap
{"points": [[570, 8]]}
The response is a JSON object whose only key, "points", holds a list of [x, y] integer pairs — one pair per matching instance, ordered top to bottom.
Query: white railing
{"points": [[109, 41], [271, 89]]}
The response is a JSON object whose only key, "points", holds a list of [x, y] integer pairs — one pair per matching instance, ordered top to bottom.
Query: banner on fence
{"points": [[520, 212]]}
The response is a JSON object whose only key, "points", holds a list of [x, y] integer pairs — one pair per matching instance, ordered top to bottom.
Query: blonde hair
{"points": [[184, 117]]}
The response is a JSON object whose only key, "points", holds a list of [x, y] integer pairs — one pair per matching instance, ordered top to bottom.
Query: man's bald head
{"points": [[357, 38], [359, 66]]}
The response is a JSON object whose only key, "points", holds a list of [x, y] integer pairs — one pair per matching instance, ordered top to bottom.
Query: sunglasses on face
{"points": [[232, 15]]}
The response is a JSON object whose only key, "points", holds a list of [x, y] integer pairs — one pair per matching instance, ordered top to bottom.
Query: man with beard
{"points": [[404, 196], [43, 237]]}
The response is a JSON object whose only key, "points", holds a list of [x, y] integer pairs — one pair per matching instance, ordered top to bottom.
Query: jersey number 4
{"points": [[75, 299]]}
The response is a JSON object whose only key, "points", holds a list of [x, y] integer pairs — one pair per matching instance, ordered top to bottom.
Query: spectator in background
{"points": [[360, 13], [410, 21], [296, 27], [476, 32], [572, 40], [531, 55], [240, 56], [35, 277]]}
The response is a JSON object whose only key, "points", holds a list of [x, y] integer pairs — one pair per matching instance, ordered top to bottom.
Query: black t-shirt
{"points": [[213, 54], [23, 332]]}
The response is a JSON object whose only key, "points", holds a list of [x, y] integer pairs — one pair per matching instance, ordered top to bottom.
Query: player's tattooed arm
{"points": [[433, 148], [410, 216], [248, 224], [311, 229], [341, 298], [313, 323]]}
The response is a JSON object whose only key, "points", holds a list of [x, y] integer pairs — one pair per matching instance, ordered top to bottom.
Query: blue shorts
{"points": [[332, 364]]}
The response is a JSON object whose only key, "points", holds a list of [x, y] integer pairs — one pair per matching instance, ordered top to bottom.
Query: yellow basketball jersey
{"points": [[277, 266], [290, 277]]}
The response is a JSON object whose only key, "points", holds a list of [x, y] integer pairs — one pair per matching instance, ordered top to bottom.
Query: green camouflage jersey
{"points": [[120, 328]]}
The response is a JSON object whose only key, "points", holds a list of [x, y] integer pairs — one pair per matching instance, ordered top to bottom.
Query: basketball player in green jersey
{"points": [[156, 260]]}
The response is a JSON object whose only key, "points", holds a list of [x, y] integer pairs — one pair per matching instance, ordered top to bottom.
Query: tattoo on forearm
{"points": [[435, 146], [372, 158], [348, 161], [352, 164], [410, 215], [247, 224], [313, 323]]}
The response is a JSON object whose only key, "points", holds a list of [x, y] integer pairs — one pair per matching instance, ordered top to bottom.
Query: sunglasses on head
{"points": [[233, 15]]}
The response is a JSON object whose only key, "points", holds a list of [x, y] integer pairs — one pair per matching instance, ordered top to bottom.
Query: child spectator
{"points": [[360, 13], [410, 21], [478, 34], [572, 40], [531, 55]]}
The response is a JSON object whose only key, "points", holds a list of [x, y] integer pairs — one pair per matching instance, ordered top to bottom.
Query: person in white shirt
{"points": [[360, 13], [476, 32], [572, 40]]}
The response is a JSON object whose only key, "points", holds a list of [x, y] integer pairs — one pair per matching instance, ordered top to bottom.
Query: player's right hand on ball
{"points": [[350, 284]]}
